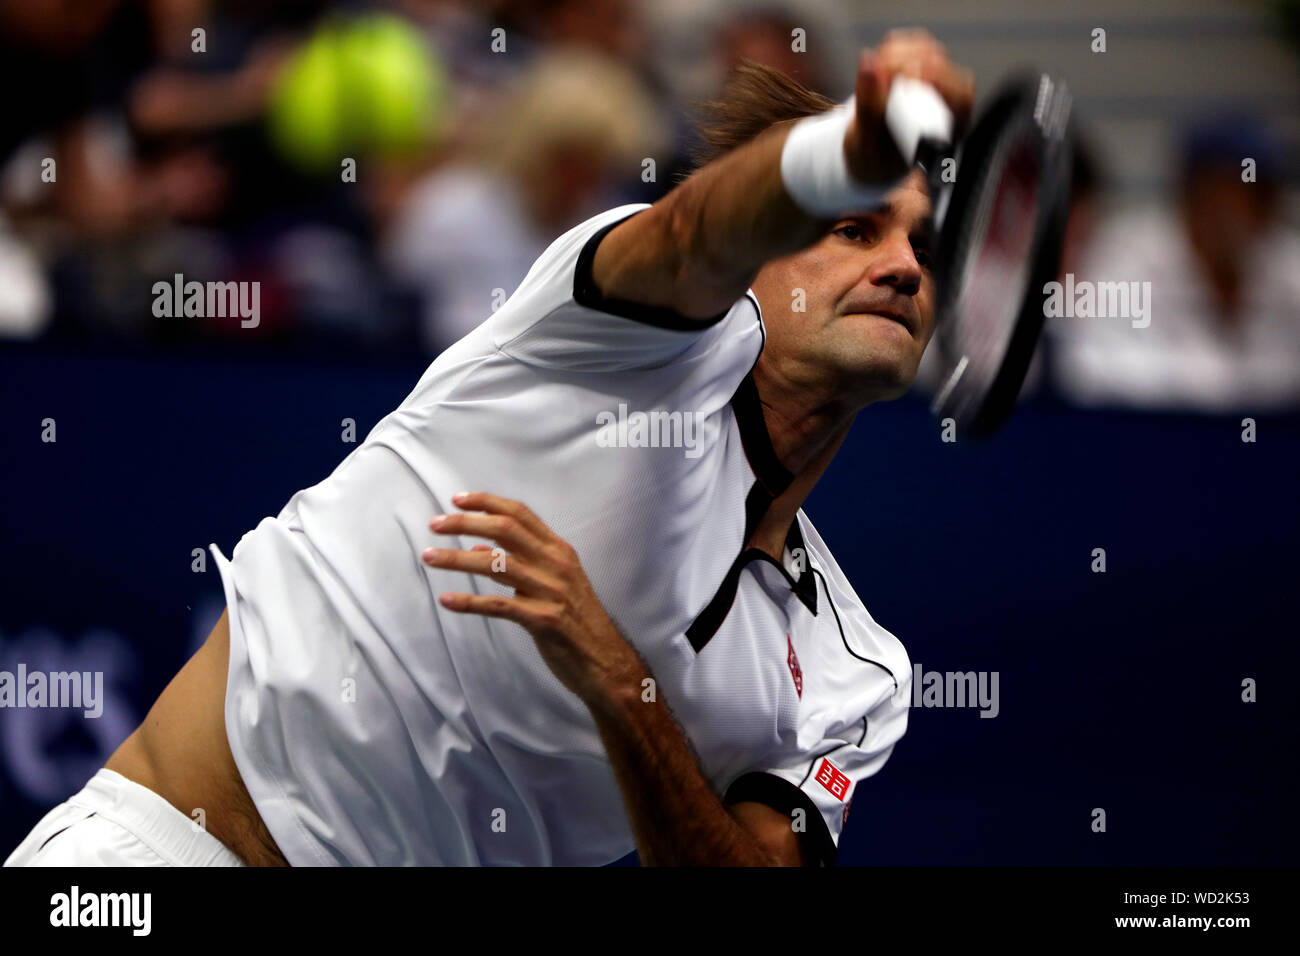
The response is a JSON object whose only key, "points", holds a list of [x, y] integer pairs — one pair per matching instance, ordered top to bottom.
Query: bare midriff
{"points": [[181, 753]]}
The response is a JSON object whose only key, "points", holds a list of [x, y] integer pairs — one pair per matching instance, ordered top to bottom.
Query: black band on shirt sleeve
{"points": [[586, 294], [783, 796]]}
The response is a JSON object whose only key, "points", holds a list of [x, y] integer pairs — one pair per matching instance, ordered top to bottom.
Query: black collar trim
{"points": [[587, 294], [745, 402], [748, 408], [708, 621]]}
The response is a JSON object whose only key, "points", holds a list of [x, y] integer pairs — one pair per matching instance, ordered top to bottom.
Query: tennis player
{"points": [[627, 634]]}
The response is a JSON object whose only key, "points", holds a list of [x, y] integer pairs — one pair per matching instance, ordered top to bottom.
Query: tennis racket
{"points": [[1000, 226]]}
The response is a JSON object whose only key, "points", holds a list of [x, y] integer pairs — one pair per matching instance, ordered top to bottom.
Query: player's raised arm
{"points": [[697, 250]]}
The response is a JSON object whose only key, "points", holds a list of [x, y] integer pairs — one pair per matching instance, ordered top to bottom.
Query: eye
{"points": [[851, 231], [924, 258]]}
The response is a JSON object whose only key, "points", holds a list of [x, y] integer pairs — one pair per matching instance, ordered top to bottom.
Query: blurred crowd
{"points": [[386, 173], [1220, 323]]}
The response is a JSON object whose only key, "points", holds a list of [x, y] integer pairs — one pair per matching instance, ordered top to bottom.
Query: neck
{"points": [[805, 434]]}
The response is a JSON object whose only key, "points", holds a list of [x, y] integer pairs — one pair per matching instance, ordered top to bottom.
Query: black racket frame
{"points": [[1015, 104]]}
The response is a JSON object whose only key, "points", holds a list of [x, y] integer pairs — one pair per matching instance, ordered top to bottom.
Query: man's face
{"points": [[867, 302]]}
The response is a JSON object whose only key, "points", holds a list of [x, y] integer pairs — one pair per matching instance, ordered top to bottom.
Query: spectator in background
{"points": [[764, 33], [697, 44], [483, 61], [61, 64], [138, 125], [575, 127], [220, 163], [1224, 274], [24, 293]]}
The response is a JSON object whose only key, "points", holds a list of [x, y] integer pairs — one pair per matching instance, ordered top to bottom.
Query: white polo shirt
{"points": [[371, 725]]}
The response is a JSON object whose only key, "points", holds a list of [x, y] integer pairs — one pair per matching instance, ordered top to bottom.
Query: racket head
{"points": [[1001, 228]]}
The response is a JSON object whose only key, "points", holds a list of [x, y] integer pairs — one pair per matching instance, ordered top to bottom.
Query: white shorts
{"points": [[114, 821]]}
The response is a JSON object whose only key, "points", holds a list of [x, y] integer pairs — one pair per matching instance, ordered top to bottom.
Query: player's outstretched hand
{"points": [[868, 146], [553, 598]]}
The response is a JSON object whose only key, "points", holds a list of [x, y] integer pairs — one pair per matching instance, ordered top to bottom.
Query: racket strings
{"points": [[1000, 238], [998, 260]]}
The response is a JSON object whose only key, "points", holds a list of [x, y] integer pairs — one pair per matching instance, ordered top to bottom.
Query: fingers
{"points": [[910, 51], [915, 53], [956, 85], [872, 88], [869, 150], [508, 507], [510, 523], [506, 530], [534, 550], [508, 569], [527, 612]]}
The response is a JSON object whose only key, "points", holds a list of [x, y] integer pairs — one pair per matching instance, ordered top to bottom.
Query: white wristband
{"points": [[916, 111], [815, 172]]}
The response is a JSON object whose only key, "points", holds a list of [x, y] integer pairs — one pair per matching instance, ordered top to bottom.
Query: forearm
{"points": [[735, 215], [699, 248], [675, 815]]}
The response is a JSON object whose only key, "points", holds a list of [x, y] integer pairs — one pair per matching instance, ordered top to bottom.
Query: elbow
{"points": [[705, 282]]}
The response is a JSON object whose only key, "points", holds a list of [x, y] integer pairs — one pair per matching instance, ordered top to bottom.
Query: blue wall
{"points": [[1119, 690]]}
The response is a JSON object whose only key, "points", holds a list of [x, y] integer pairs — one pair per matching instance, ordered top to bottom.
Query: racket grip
{"points": [[914, 113]]}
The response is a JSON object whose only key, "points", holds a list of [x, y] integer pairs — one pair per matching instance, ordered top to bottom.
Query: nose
{"points": [[894, 264]]}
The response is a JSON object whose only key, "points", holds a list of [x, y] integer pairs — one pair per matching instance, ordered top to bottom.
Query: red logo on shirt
{"points": [[795, 672], [834, 781]]}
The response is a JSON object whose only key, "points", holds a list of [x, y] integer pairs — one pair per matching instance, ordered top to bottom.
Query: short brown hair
{"points": [[754, 98]]}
